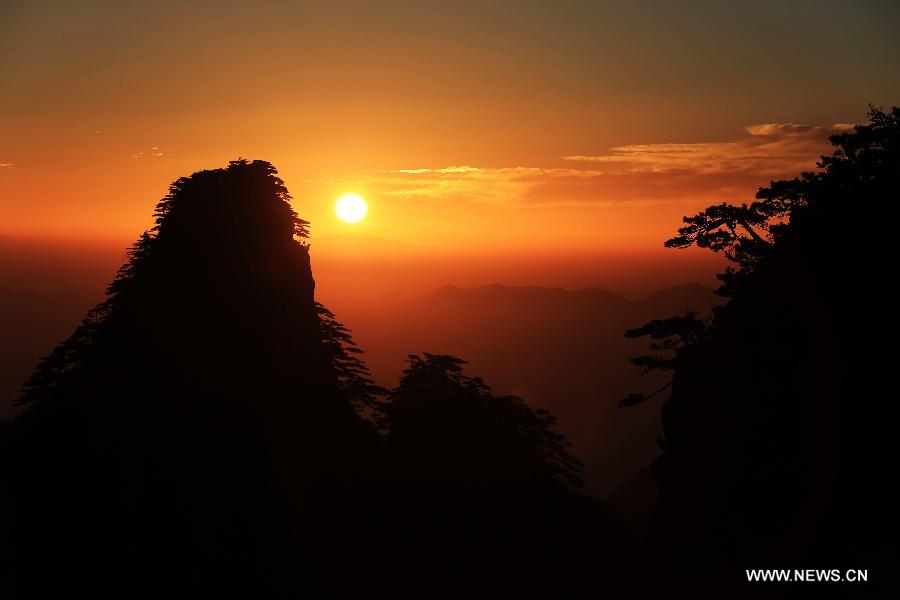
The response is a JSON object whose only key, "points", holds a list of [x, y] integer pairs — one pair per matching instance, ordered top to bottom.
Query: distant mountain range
{"points": [[45, 291], [32, 324], [559, 349], [562, 350]]}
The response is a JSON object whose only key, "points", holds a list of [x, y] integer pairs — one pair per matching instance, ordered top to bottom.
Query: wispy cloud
{"points": [[769, 149], [154, 152], [7, 165], [633, 174], [477, 184]]}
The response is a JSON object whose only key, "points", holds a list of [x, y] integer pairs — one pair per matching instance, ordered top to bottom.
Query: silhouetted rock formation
{"points": [[558, 349], [449, 426], [209, 430], [180, 434], [773, 446], [483, 492]]}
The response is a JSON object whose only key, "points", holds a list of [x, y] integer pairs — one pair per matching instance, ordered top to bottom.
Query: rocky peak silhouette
{"points": [[199, 409]]}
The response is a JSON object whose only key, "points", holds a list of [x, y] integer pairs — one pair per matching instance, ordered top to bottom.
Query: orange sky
{"points": [[468, 126]]}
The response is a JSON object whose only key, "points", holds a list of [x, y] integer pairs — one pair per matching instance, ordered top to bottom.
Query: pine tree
{"points": [[203, 411], [448, 420], [773, 449]]}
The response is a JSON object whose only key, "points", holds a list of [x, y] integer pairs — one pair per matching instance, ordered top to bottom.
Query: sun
{"points": [[351, 208]]}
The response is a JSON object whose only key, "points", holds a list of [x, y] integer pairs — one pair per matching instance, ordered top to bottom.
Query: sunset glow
{"points": [[598, 131], [607, 330]]}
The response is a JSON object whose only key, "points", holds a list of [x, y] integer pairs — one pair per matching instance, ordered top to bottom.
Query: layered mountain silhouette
{"points": [[45, 290], [32, 323], [545, 345], [559, 349], [191, 415], [210, 428], [776, 452]]}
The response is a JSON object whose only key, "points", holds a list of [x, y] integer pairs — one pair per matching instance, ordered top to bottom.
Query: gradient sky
{"points": [[466, 125]]}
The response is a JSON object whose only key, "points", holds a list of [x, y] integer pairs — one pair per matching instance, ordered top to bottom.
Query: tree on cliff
{"points": [[863, 163], [858, 174], [197, 411], [454, 426], [772, 455], [485, 484]]}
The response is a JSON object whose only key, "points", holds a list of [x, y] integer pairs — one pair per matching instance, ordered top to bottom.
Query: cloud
{"points": [[769, 149], [154, 152], [7, 165], [444, 170], [637, 174], [497, 185]]}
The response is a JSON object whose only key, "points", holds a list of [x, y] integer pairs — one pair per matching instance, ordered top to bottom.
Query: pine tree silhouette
{"points": [[450, 421], [191, 427], [210, 428], [773, 454], [485, 484]]}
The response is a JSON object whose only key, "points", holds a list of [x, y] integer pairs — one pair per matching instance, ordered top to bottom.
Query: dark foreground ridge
{"points": [[210, 429], [775, 449]]}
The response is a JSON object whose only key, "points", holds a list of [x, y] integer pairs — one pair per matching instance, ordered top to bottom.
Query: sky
{"points": [[469, 127]]}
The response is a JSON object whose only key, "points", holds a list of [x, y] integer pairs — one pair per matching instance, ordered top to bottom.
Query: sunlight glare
{"points": [[351, 208]]}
